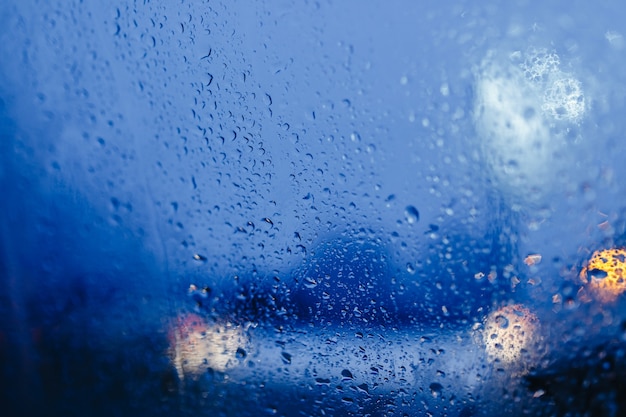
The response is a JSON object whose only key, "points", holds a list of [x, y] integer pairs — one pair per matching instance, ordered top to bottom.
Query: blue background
{"points": [[277, 140]]}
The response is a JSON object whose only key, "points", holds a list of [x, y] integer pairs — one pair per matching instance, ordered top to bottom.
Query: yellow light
{"points": [[604, 274]]}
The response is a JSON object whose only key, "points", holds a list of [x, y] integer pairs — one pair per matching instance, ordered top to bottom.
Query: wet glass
{"points": [[312, 208]]}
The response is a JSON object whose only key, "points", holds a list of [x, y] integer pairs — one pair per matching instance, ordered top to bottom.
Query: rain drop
{"points": [[411, 214], [598, 273], [310, 282], [502, 322], [322, 381], [436, 389]]}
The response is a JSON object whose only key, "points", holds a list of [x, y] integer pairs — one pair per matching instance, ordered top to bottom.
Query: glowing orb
{"points": [[525, 105], [604, 274], [509, 333], [196, 345]]}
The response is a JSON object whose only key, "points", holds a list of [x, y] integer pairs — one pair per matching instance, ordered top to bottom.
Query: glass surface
{"points": [[312, 208]]}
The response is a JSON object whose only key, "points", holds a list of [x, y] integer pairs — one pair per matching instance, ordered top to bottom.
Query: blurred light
{"points": [[525, 106], [604, 274], [509, 333], [196, 345]]}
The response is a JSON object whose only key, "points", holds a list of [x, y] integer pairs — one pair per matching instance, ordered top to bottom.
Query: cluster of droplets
{"points": [[539, 64], [563, 97], [564, 100], [509, 334], [196, 345]]}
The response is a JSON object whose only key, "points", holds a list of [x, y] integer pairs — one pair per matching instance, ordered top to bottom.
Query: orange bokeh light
{"points": [[604, 274]]}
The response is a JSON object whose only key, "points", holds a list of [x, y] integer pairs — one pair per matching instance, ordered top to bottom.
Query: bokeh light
{"points": [[604, 274], [509, 334], [197, 345]]}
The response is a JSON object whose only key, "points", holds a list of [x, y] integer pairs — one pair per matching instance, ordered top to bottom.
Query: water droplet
{"points": [[411, 214], [199, 257], [598, 273], [310, 282], [502, 322], [241, 353], [286, 357], [346, 374], [436, 389], [538, 393]]}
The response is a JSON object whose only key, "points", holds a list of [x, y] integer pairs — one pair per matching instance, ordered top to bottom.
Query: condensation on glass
{"points": [[312, 208]]}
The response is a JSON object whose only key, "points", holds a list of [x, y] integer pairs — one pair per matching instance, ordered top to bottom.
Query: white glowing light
{"points": [[524, 106], [510, 333], [196, 345]]}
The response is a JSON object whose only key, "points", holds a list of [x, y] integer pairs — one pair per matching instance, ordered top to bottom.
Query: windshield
{"points": [[312, 208]]}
